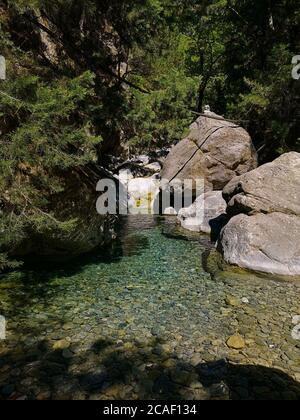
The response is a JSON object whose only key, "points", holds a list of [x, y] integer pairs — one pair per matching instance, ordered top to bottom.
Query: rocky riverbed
{"points": [[150, 320]]}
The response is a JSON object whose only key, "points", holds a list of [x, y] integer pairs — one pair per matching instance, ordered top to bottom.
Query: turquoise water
{"points": [[147, 320]]}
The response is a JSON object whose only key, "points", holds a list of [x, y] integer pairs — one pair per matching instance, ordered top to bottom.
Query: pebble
{"points": [[232, 301], [245, 301], [296, 320], [236, 342], [61, 345], [67, 354]]}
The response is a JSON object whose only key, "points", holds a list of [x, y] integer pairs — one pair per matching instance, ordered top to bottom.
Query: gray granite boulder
{"points": [[215, 150], [274, 187], [207, 211], [264, 232], [268, 243]]}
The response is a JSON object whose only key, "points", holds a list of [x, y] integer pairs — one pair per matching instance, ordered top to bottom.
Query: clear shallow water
{"points": [[147, 321]]}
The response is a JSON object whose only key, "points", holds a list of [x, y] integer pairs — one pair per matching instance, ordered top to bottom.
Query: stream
{"points": [[148, 319]]}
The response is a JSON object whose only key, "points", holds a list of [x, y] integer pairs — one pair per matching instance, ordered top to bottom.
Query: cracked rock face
{"points": [[215, 150], [264, 232]]}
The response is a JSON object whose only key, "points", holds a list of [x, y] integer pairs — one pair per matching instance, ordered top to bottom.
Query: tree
{"points": [[242, 53], [86, 77], [62, 105]]}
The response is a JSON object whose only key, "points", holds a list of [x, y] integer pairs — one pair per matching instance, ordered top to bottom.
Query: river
{"points": [[147, 319]]}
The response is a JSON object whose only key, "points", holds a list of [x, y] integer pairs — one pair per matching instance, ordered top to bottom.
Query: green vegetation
{"points": [[235, 56], [87, 77]]}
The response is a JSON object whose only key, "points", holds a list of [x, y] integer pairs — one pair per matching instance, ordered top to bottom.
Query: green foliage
{"points": [[235, 56], [79, 69], [161, 117], [53, 130], [47, 132], [52, 138], [7, 263]]}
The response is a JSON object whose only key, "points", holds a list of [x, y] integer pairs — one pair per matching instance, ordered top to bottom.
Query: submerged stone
{"points": [[232, 301], [236, 342], [61, 345]]}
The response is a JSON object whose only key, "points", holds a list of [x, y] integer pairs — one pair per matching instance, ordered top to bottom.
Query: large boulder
{"points": [[215, 150], [274, 187], [77, 203], [206, 214], [264, 232], [268, 243]]}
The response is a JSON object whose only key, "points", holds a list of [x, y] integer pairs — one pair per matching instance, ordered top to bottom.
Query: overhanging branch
{"points": [[102, 68]]}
